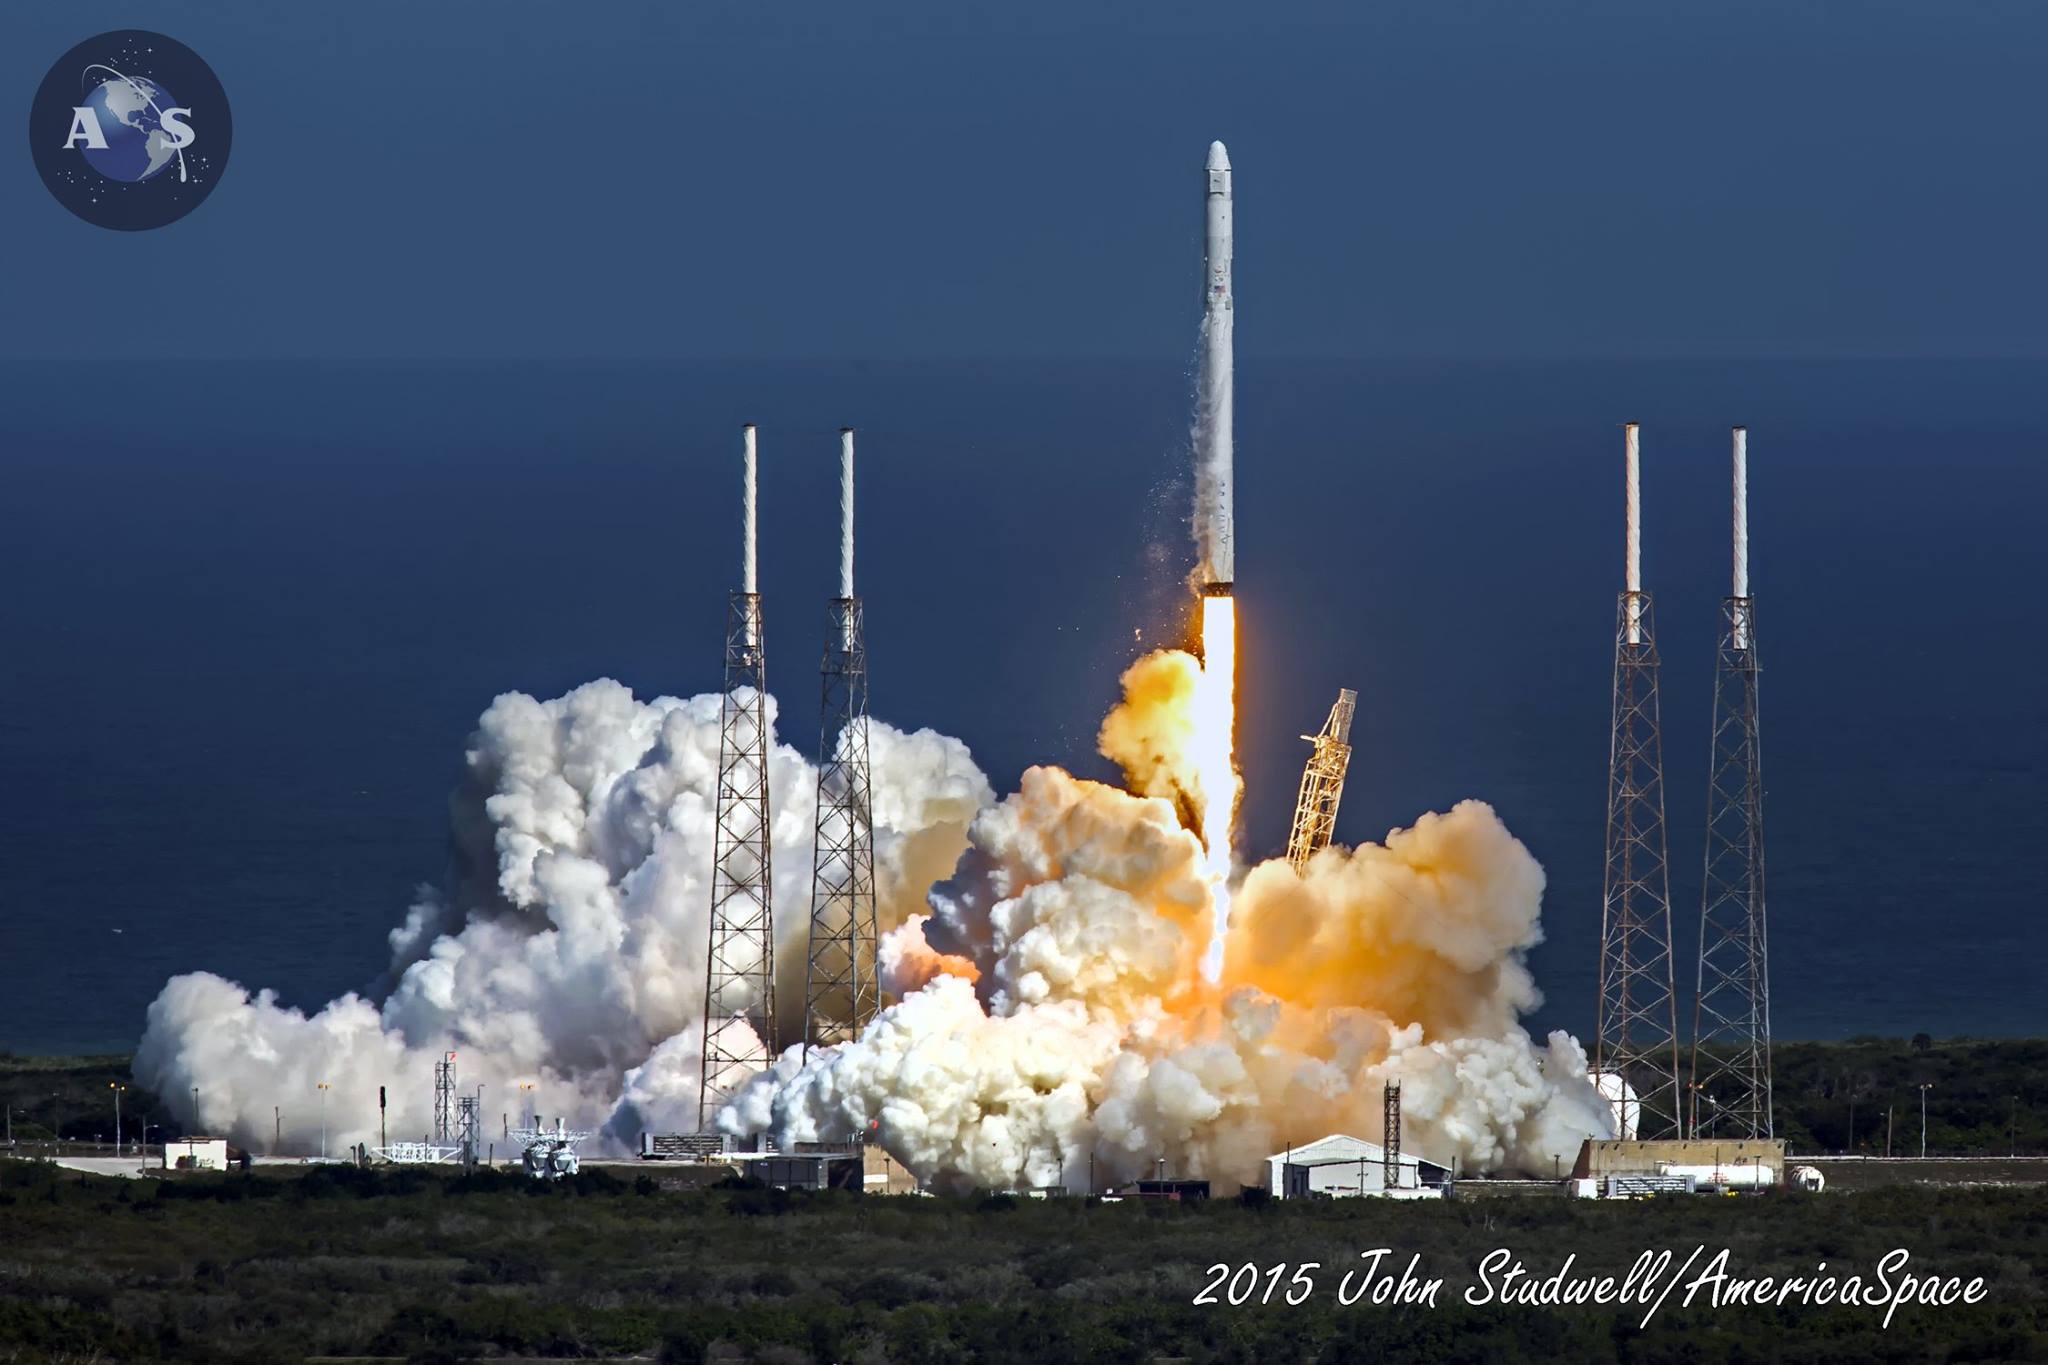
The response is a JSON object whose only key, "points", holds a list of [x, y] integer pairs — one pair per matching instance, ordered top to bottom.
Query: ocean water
{"points": [[252, 610]]}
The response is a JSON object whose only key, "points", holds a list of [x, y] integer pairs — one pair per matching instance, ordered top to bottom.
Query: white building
{"points": [[196, 1154], [1343, 1167]]}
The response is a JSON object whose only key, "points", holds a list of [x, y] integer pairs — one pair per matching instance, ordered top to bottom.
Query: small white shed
{"points": [[196, 1154]]}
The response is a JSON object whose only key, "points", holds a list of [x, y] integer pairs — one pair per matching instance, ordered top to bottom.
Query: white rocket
{"points": [[1215, 517]]}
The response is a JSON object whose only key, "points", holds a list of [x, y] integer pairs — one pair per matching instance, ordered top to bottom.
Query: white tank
{"points": [[1621, 1101], [1809, 1179]]}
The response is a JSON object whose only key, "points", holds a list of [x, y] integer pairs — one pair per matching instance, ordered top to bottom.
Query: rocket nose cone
{"points": [[1219, 160]]}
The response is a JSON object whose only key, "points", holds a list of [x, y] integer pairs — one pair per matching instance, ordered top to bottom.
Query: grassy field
{"points": [[419, 1265]]}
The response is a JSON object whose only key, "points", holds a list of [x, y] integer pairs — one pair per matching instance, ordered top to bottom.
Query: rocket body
{"points": [[1214, 455]]}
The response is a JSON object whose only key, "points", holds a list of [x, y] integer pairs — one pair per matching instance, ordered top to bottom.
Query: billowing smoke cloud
{"points": [[1150, 734], [566, 951], [1052, 1023], [1078, 1039]]}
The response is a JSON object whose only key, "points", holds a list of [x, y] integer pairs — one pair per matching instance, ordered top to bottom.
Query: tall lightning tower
{"points": [[1322, 783], [739, 982], [841, 993], [1731, 1030], [1637, 1037], [444, 1097], [1390, 1131]]}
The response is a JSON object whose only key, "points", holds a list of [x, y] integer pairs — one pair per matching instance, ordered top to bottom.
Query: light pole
{"points": [[1925, 1086], [117, 1088], [324, 1088], [526, 1098], [195, 1108]]}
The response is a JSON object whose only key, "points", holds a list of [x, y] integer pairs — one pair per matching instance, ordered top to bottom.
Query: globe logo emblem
{"points": [[130, 130]]}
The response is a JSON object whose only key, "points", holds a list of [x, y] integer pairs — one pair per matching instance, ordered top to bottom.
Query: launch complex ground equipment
{"points": [[1322, 784], [458, 1126], [549, 1153]]}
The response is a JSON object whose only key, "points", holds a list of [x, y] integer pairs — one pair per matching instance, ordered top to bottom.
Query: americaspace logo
{"points": [[130, 130]]}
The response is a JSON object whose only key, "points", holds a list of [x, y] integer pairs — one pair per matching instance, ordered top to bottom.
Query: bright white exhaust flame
{"points": [[1215, 761]]}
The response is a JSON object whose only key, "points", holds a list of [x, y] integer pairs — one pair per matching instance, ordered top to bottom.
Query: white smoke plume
{"points": [[566, 952], [1052, 1023], [1063, 1032]]}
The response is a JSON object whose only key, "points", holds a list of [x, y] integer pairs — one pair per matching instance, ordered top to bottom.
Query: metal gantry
{"points": [[1322, 783], [739, 979], [739, 987], [842, 994], [1637, 1035], [1731, 1058], [444, 1098], [469, 1129], [1390, 1149]]}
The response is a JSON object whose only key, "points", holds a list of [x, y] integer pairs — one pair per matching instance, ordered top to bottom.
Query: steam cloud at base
{"points": [[567, 947], [1053, 1019], [1063, 1031]]}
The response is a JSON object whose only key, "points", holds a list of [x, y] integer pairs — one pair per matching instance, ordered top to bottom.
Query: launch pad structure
{"points": [[1322, 783], [739, 984], [842, 994], [1637, 1033], [1730, 1085]]}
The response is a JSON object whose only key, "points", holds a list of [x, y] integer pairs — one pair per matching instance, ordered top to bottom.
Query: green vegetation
{"points": [[1987, 1096], [71, 1098], [424, 1265]]}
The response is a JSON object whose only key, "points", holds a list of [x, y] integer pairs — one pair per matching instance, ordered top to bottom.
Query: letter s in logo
{"points": [[178, 132]]}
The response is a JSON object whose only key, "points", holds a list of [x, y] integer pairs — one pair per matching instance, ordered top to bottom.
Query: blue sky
{"points": [[919, 178]]}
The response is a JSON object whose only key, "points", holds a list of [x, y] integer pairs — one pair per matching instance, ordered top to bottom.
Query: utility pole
{"points": [[1925, 1086], [117, 1088], [324, 1088], [276, 1128], [2012, 1129], [1887, 1132]]}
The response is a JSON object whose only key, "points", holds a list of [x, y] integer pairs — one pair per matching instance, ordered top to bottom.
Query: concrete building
{"points": [[1702, 1165], [1344, 1167], [884, 1174]]}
